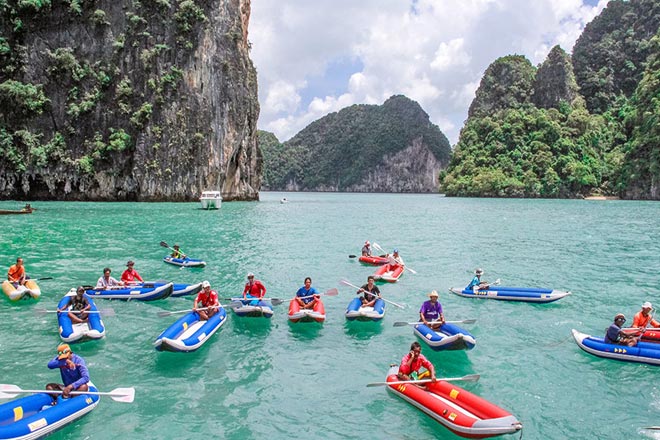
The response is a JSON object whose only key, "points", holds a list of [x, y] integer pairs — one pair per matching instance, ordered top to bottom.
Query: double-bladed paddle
{"points": [[165, 245], [396, 259], [348, 283], [329, 292], [273, 301], [104, 312], [165, 313], [464, 321], [468, 378], [124, 395]]}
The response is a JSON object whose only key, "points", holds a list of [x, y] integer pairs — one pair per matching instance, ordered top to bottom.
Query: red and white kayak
{"points": [[373, 260], [389, 272], [298, 314], [463, 413]]}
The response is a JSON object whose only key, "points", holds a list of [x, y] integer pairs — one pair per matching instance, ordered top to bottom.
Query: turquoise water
{"points": [[278, 380]]}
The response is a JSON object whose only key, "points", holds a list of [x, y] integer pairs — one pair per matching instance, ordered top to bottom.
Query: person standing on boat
{"points": [[366, 249], [176, 253], [16, 273], [130, 275], [106, 281], [476, 283], [254, 290], [371, 292], [307, 296], [206, 304], [80, 306], [431, 312], [644, 319], [615, 335], [412, 362], [73, 371]]}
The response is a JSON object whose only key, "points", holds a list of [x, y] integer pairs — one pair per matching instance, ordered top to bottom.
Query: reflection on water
{"points": [[363, 330]]}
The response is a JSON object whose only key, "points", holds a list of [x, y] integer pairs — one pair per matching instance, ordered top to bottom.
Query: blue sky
{"points": [[316, 57]]}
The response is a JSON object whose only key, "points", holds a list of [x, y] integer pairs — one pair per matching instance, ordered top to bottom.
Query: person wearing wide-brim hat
{"points": [[130, 275], [476, 283], [431, 312], [644, 318], [615, 335], [73, 371]]}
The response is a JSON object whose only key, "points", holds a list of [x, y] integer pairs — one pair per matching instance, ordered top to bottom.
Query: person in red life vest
{"points": [[16, 273], [130, 275], [254, 290], [206, 304], [644, 318], [412, 362]]}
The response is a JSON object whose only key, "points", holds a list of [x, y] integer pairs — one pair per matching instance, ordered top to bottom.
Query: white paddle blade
{"points": [[331, 292], [6, 391], [124, 395]]}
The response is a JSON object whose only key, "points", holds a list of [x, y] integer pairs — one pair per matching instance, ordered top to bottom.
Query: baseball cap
{"points": [[63, 351]]}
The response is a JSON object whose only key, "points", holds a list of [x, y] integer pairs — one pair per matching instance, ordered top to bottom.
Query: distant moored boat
{"points": [[211, 200]]}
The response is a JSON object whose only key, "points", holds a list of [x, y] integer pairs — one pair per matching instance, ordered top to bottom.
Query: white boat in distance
{"points": [[211, 199]]}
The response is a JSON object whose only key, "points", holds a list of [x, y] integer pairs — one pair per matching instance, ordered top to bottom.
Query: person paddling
{"points": [[366, 249], [176, 253], [394, 259], [16, 273], [130, 275], [106, 281], [476, 283], [254, 290], [371, 292], [307, 296], [206, 299], [78, 303], [431, 312], [644, 319], [615, 335], [412, 362], [73, 371]]}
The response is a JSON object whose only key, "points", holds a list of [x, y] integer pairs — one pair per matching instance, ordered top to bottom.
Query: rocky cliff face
{"points": [[555, 82], [145, 101]]}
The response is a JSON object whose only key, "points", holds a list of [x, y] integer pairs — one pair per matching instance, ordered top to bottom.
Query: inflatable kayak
{"points": [[373, 260], [185, 262], [388, 272], [185, 289], [28, 291], [141, 292], [526, 294], [251, 308], [356, 311], [297, 314], [93, 328], [189, 333], [447, 337], [645, 352], [463, 413], [33, 417]]}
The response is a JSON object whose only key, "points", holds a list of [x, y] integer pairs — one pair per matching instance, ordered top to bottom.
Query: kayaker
{"points": [[366, 249], [176, 253], [394, 259], [16, 273], [130, 275], [107, 281], [476, 283], [254, 289], [371, 292], [307, 296], [207, 299], [78, 303], [431, 312], [644, 319], [614, 335], [412, 362], [73, 371]]}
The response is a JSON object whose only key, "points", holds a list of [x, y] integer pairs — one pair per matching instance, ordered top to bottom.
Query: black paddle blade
{"points": [[163, 244], [352, 256]]}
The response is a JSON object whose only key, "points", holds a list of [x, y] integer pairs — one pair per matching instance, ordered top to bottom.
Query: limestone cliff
{"points": [[555, 81], [131, 100]]}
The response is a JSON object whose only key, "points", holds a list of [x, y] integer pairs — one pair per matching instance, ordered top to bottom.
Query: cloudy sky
{"points": [[314, 57]]}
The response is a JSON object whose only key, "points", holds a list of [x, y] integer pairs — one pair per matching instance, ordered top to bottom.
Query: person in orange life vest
{"points": [[16, 273], [130, 275], [254, 290], [207, 299], [643, 319], [412, 362]]}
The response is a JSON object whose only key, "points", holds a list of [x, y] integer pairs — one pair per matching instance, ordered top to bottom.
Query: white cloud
{"points": [[432, 51]]}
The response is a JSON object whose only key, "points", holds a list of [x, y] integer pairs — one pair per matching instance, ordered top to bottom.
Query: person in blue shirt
{"points": [[476, 281], [307, 295], [614, 334], [73, 371]]}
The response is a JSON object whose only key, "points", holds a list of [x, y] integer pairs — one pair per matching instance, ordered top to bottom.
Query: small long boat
{"points": [[16, 211], [373, 260], [184, 262], [390, 273], [28, 291], [140, 292], [525, 294], [252, 308], [355, 311], [298, 314], [92, 328], [189, 332], [447, 337], [644, 352], [463, 413], [33, 417]]}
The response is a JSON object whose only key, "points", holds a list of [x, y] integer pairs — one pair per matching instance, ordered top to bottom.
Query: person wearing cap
{"points": [[366, 249], [176, 253], [394, 259], [16, 273], [130, 275], [106, 281], [476, 283], [254, 290], [371, 292], [307, 296], [206, 304], [78, 306], [431, 312], [644, 319], [615, 335], [412, 362], [73, 371]]}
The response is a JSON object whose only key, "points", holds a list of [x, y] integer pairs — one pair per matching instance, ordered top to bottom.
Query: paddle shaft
{"points": [[163, 244], [396, 259], [330, 292], [380, 296], [274, 301], [166, 313], [464, 321], [468, 378], [126, 395]]}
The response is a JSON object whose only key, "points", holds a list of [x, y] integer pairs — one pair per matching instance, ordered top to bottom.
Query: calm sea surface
{"points": [[278, 380]]}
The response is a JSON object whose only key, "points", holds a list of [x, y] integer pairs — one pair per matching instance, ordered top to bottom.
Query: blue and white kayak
{"points": [[184, 262], [186, 289], [140, 292], [526, 294], [252, 308], [356, 311], [93, 328], [189, 333], [447, 337], [644, 352], [33, 417]]}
